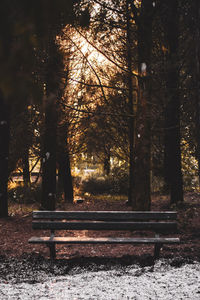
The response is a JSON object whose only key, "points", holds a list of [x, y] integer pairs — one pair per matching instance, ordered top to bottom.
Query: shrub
{"points": [[115, 183], [28, 195]]}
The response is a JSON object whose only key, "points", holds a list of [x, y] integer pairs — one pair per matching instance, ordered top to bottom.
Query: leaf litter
{"points": [[35, 277]]}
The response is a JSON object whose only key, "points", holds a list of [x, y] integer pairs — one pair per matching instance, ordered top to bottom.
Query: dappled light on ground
{"points": [[164, 280]]}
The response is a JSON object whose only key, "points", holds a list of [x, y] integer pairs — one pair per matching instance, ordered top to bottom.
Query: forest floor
{"points": [[17, 229]]}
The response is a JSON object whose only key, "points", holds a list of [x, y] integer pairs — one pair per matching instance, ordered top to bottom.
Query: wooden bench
{"points": [[156, 222]]}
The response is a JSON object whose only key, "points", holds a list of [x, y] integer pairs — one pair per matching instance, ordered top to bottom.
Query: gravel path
{"points": [[160, 281]]}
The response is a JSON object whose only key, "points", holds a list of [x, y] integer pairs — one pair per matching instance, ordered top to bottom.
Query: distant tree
{"points": [[112, 36]]}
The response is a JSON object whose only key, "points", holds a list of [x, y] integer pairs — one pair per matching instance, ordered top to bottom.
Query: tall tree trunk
{"points": [[54, 63], [197, 80], [130, 102], [172, 109], [27, 143], [142, 149], [4, 155], [49, 155], [64, 165]]}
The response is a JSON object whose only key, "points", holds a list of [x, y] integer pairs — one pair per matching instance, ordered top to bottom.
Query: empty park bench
{"points": [[156, 222]]}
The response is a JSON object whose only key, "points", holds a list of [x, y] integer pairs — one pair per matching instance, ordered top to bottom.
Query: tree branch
{"points": [[108, 7], [105, 55], [91, 67], [98, 86], [95, 113]]}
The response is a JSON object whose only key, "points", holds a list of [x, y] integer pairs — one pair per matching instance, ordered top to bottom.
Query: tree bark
{"points": [[53, 68], [197, 80], [130, 102], [172, 109], [27, 143], [142, 148], [4, 155], [49, 156], [63, 156], [106, 165], [26, 172], [65, 175]]}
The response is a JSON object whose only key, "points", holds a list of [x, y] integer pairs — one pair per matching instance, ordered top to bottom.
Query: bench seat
{"points": [[104, 240]]}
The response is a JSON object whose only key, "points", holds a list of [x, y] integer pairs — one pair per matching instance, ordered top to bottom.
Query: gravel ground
{"points": [[36, 278]]}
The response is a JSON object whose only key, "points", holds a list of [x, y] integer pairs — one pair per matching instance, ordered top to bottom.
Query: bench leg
{"points": [[52, 249], [157, 250]]}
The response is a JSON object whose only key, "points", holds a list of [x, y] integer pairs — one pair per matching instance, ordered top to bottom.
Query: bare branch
{"points": [[108, 7], [105, 55], [91, 67], [98, 86], [99, 113]]}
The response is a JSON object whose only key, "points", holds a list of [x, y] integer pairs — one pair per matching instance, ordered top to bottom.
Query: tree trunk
{"points": [[53, 70], [197, 80], [130, 102], [172, 109], [27, 143], [142, 149], [4, 155], [49, 155], [64, 165], [106, 165], [26, 172], [65, 175]]}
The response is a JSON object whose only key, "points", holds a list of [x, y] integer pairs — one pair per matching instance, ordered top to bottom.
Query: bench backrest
{"points": [[105, 220]]}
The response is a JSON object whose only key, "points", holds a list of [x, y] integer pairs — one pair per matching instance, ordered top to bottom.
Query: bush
{"points": [[116, 183], [28, 195]]}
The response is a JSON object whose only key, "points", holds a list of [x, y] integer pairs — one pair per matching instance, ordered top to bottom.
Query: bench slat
{"points": [[105, 215], [100, 225], [105, 240]]}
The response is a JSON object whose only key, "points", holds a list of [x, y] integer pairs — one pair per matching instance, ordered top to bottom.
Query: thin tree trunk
{"points": [[172, 109], [27, 143], [142, 153], [4, 155], [106, 165], [26, 172]]}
